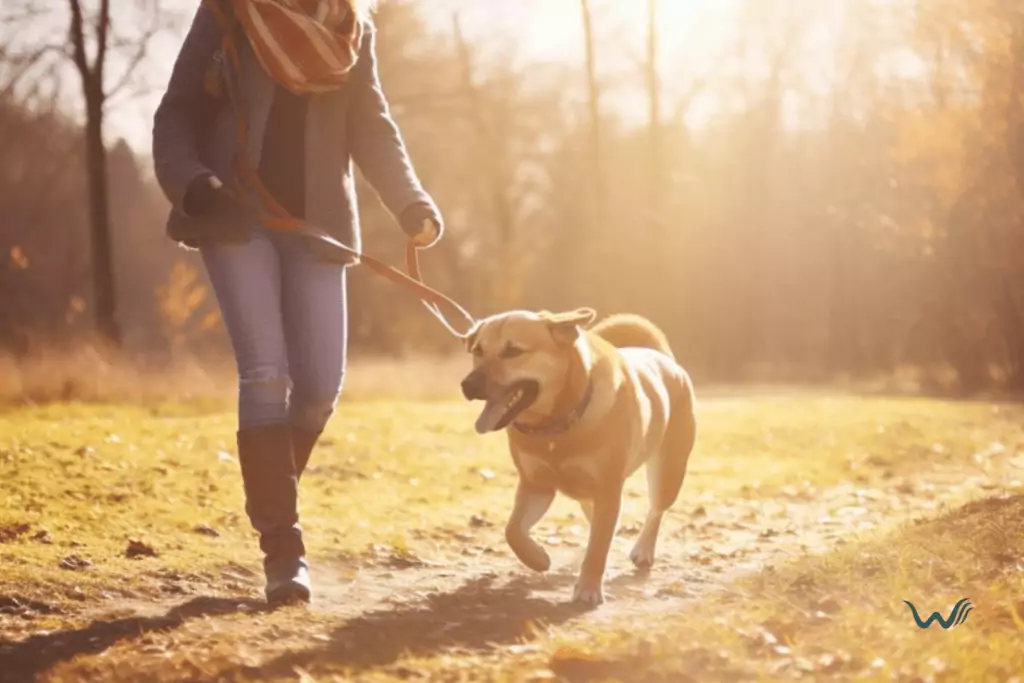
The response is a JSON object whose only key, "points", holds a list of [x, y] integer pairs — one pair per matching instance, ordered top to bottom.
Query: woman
{"points": [[302, 87]]}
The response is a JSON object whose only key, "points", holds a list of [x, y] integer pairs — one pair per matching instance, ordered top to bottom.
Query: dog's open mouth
{"points": [[500, 410]]}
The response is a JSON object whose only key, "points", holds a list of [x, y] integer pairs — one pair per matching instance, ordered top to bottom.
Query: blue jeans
{"points": [[285, 313]]}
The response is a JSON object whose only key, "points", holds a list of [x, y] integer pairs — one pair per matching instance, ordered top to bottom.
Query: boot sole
{"points": [[291, 594]]}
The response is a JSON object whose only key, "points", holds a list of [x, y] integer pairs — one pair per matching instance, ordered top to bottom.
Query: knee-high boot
{"points": [[303, 442], [269, 475]]}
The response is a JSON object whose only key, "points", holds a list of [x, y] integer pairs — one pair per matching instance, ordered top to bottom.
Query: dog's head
{"points": [[520, 362]]}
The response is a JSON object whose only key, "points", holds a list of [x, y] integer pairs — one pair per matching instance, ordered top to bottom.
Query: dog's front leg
{"points": [[532, 503], [590, 584]]}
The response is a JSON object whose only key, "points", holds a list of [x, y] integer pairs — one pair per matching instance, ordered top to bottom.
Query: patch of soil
{"points": [[10, 532]]}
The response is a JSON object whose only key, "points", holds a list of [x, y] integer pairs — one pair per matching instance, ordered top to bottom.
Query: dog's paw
{"points": [[530, 553], [642, 555], [590, 596]]}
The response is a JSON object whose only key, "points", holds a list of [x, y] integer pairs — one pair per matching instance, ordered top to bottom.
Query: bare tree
{"points": [[106, 60], [96, 91], [594, 108], [656, 169]]}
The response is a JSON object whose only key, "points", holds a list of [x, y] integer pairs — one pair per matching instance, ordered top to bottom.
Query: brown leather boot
{"points": [[303, 442], [271, 502]]}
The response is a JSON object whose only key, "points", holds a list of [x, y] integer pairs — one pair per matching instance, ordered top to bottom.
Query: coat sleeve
{"points": [[177, 119], [375, 141]]}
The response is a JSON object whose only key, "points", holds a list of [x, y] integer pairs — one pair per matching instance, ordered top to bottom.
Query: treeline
{"points": [[801, 233]]}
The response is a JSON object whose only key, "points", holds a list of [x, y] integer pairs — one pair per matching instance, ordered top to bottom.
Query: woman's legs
{"points": [[246, 278], [285, 313]]}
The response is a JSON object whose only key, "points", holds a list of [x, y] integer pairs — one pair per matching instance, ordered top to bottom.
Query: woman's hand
{"points": [[205, 195], [422, 224]]}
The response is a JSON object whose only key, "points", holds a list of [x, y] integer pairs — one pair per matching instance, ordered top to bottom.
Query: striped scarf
{"points": [[307, 46]]}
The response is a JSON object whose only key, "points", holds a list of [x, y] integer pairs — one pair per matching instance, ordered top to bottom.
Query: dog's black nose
{"points": [[474, 385]]}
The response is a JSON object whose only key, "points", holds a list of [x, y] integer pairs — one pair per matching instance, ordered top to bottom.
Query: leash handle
{"points": [[435, 298]]}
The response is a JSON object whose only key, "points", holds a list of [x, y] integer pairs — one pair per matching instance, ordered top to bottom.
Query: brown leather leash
{"points": [[280, 219]]}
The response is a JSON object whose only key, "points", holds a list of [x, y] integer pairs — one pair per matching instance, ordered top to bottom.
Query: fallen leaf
{"points": [[478, 521], [630, 529], [139, 549], [73, 562]]}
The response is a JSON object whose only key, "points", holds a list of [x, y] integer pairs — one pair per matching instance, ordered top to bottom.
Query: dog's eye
{"points": [[478, 350], [511, 352]]}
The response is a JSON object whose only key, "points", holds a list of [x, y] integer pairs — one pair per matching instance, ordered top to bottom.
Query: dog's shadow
{"points": [[475, 616], [24, 660]]}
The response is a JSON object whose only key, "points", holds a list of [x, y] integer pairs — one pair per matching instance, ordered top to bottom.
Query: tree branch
{"points": [[102, 33], [78, 40], [136, 58], [23, 65]]}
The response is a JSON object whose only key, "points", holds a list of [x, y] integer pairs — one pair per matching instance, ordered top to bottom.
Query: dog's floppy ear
{"points": [[565, 327]]}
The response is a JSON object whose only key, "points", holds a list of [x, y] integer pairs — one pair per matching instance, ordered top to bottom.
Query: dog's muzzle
{"points": [[474, 386]]}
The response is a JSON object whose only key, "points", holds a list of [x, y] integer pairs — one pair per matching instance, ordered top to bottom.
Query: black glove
{"points": [[206, 195], [422, 223]]}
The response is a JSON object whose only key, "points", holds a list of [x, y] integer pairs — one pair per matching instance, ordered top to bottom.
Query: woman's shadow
{"points": [[24, 660]]}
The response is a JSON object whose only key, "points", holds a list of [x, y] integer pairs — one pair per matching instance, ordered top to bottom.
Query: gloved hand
{"points": [[206, 194], [423, 225]]}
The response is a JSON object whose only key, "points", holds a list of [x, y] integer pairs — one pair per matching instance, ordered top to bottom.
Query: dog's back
{"points": [[626, 330]]}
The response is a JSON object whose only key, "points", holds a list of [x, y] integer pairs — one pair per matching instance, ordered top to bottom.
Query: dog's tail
{"points": [[624, 330]]}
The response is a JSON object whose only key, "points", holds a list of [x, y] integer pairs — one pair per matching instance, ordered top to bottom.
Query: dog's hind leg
{"points": [[665, 473], [532, 503]]}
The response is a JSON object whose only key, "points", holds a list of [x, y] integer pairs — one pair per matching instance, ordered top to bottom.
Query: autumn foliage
{"points": [[794, 209]]}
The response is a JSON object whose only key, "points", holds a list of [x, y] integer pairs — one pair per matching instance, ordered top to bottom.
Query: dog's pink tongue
{"points": [[490, 416]]}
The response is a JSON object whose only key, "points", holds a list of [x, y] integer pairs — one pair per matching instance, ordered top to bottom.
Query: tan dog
{"points": [[583, 410]]}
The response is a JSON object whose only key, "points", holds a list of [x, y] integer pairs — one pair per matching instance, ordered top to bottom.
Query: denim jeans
{"points": [[285, 313]]}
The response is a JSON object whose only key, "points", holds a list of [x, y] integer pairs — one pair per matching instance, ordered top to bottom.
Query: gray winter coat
{"points": [[195, 134]]}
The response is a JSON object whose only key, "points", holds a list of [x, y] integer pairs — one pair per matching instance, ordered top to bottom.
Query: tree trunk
{"points": [[655, 170], [596, 216], [104, 293]]}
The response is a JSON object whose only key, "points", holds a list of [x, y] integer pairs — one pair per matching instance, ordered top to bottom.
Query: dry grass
{"points": [[92, 375], [404, 506], [842, 616]]}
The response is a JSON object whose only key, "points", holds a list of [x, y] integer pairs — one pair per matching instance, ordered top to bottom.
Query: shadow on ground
{"points": [[475, 616], [24, 660]]}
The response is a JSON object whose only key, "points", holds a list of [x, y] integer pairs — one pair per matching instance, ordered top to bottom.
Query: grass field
{"points": [[805, 522]]}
